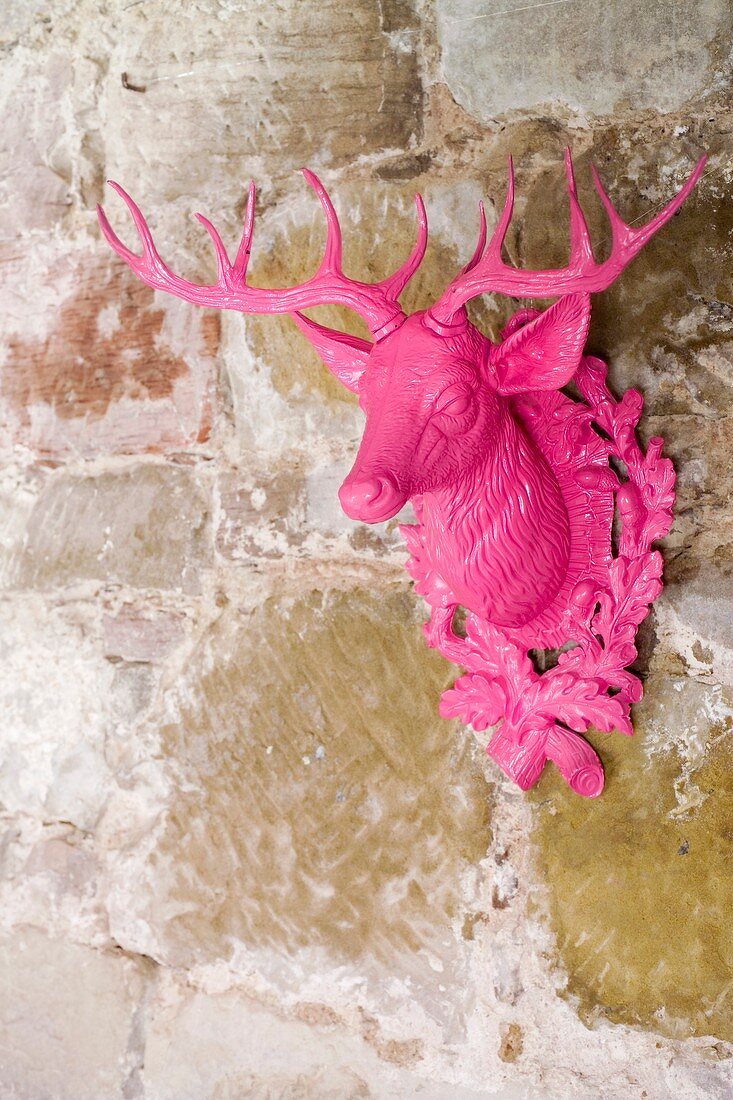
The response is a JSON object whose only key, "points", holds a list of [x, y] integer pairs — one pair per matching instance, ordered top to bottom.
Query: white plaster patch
{"points": [[108, 321], [54, 687]]}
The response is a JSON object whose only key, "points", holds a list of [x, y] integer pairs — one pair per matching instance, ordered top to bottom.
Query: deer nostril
{"points": [[372, 489], [371, 500]]}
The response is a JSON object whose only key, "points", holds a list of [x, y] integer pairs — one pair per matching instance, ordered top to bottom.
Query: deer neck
{"points": [[500, 537]]}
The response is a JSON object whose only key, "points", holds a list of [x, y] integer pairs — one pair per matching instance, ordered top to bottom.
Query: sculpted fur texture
{"points": [[509, 477]]}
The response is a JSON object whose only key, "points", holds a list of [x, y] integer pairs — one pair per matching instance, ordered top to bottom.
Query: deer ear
{"points": [[545, 353], [345, 356]]}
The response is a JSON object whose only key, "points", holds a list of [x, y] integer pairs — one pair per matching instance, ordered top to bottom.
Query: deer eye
{"points": [[455, 400]]}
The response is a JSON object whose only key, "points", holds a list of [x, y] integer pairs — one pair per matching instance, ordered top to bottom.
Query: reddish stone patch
{"points": [[211, 333], [107, 343]]}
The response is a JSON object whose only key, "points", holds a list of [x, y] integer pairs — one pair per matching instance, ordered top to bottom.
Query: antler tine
{"points": [[619, 228], [113, 240], [481, 242], [496, 243], [581, 250], [150, 252], [332, 256], [241, 260], [223, 262], [150, 267], [583, 275], [395, 284]]}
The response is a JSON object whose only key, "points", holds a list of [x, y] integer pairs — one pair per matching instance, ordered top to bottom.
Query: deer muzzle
{"points": [[371, 499]]}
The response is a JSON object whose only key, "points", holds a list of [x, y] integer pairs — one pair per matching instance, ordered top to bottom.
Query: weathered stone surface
{"points": [[16, 17], [512, 56], [207, 79], [141, 92], [35, 181], [111, 369], [699, 446], [19, 489], [262, 513], [269, 514], [147, 527], [693, 620], [141, 634], [54, 687], [318, 808], [49, 872], [640, 881], [67, 1019], [512, 1043], [195, 1049]]}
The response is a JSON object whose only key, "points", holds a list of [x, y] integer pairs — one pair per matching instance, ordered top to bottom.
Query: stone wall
{"points": [[241, 854]]}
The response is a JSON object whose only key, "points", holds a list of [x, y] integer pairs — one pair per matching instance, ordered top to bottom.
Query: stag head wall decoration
{"points": [[510, 479]]}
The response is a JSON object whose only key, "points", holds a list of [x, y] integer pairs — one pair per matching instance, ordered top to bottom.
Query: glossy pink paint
{"points": [[509, 478]]}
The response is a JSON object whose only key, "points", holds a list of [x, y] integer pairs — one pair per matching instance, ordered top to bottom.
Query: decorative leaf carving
{"points": [[476, 699]]}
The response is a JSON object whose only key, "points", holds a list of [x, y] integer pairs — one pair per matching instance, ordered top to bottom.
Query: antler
{"points": [[487, 271], [375, 302]]}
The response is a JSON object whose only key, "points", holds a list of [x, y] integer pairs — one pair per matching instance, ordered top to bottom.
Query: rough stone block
{"points": [[508, 55], [299, 106], [35, 169], [700, 447], [291, 510], [262, 513], [146, 527], [693, 619], [142, 634], [319, 809], [49, 872], [639, 881], [67, 1020], [195, 1049]]}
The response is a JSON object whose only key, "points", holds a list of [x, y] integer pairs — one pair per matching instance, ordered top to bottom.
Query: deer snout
{"points": [[371, 499]]}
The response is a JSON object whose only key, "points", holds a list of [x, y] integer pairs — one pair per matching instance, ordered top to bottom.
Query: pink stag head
{"points": [[431, 385], [513, 494]]}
